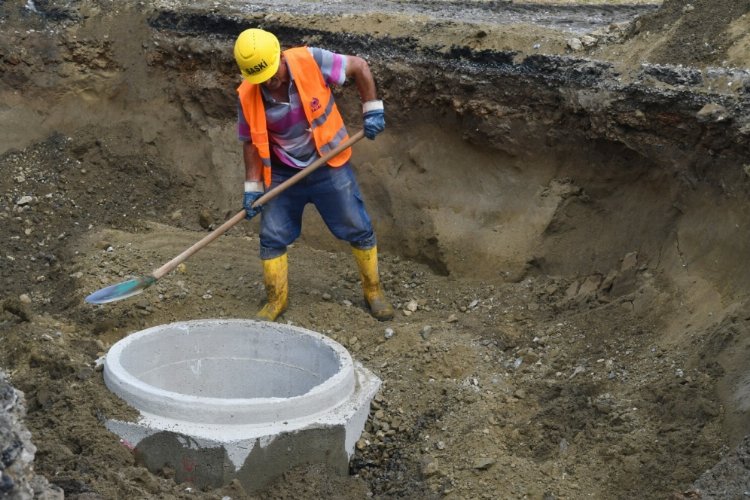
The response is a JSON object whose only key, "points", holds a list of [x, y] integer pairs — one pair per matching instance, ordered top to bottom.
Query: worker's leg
{"points": [[337, 197]]}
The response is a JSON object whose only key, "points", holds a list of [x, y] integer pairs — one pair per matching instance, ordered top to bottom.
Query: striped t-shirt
{"points": [[288, 129]]}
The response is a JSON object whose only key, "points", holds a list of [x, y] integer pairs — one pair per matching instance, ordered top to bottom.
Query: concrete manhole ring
{"points": [[237, 385]]}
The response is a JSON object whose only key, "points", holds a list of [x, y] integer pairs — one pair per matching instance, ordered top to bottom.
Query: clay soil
{"points": [[563, 327]]}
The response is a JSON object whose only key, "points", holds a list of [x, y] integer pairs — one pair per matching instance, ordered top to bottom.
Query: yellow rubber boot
{"points": [[367, 262], [275, 273]]}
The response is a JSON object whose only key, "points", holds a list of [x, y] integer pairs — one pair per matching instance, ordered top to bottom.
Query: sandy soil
{"points": [[537, 352]]}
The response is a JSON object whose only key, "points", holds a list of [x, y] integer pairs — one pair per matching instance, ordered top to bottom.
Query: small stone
{"points": [[588, 41], [575, 44], [712, 112], [205, 219], [425, 332], [389, 333], [483, 463], [430, 468]]}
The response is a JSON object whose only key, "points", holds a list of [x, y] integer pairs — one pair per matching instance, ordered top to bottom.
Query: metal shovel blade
{"points": [[121, 290]]}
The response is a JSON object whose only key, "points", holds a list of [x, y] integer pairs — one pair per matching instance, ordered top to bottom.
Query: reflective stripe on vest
{"points": [[317, 102]]}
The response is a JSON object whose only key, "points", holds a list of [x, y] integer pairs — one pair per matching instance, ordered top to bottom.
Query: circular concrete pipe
{"points": [[229, 372], [237, 385]]}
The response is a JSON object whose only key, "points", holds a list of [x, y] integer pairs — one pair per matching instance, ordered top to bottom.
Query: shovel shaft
{"points": [[169, 266]]}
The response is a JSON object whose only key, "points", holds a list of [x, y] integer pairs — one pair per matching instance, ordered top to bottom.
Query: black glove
{"points": [[374, 118]]}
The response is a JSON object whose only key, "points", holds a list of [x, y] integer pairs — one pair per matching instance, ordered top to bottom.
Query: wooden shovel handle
{"points": [[169, 266]]}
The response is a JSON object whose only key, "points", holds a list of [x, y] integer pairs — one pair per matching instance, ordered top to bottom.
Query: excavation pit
{"points": [[561, 232], [238, 399]]}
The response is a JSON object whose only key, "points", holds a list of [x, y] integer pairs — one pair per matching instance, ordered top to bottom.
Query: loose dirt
{"points": [[567, 325]]}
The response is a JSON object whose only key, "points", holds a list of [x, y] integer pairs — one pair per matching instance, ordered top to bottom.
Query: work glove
{"points": [[374, 117], [253, 191]]}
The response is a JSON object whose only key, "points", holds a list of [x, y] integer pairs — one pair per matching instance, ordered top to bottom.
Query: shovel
{"points": [[135, 286]]}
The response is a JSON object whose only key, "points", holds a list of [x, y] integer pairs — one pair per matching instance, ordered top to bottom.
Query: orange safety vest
{"points": [[317, 100]]}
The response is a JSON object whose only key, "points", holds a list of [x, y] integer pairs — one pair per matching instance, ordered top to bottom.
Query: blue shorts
{"points": [[335, 194]]}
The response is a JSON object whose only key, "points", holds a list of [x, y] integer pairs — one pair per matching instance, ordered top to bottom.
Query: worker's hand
{"points": [[374, 117], [253, 191]]}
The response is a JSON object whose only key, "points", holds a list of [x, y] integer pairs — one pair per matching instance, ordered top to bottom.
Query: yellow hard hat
{"points": [[257, 54]]}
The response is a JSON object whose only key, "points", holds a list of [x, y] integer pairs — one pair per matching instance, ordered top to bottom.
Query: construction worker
{"points": [[287, 119]]}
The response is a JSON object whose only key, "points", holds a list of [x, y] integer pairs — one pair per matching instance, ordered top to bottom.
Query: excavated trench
{"points": [[512, 155], [494, 167]]}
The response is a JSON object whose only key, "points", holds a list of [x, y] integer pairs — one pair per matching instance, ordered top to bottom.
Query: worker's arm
{"points": [[358, 70], [372, 108], [253, 164], [253, 179]]}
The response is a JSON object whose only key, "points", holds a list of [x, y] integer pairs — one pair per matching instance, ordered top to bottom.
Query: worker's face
{"points": [[277, 80]]}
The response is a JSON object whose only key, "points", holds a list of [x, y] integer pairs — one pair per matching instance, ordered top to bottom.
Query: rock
{"points": [[588, 41], [575, 44], [712, 113], [205, 219], [589, 286], [572, 290], [17, 308], [425, 332], [483, 463], [429, 466], [17, 477]]}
